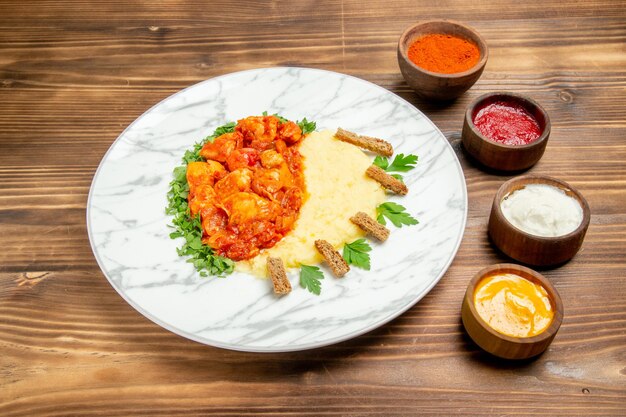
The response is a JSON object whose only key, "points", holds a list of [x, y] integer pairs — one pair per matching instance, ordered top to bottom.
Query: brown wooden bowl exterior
{"points": [[433, 85], [499, 156], [531, 249], [499, 344]]}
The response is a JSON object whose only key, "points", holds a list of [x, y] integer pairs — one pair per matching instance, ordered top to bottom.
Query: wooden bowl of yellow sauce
{"points": [[511, 311]]}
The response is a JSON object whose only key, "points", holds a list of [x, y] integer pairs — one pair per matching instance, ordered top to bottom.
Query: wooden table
{"points": [[72, 77]]}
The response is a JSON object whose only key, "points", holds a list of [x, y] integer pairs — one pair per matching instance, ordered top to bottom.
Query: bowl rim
{"points": [[482, 45], [517, 96], [548, 180], [553, 294]]}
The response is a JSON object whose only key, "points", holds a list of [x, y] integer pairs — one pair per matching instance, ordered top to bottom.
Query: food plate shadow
{"points": [[185, 357]]}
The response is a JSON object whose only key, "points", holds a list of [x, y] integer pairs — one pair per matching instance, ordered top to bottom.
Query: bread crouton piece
{"points": [[375, 145], [386, 180], [370, 226], [336, 262], [276, 269]]}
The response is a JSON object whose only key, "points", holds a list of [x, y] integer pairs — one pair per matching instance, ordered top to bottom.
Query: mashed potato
{"points": [[337, 188]]}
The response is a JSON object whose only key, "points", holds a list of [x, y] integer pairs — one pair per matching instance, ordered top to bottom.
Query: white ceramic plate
{"points": [[129, 234]]}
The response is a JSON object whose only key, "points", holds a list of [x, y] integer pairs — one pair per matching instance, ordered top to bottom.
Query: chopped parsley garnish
{"points": [[193, 155], [395, 213], [355, 253], [201, 256], [310, 277]]}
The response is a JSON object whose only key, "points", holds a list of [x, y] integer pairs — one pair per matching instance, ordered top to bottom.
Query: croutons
{"points": [[375, 145], [386, 180], [370, 226], [335, 261], [276, 270]]}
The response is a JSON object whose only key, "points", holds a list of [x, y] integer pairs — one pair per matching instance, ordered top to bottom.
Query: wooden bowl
{"points": [[434, 85], [497, 155], [532, 249], [499, 344]]}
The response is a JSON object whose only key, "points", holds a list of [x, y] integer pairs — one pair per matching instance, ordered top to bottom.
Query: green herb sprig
{"points": [[306, 126], [401, 163], [395, 213], [355, 253], [310, 277]]}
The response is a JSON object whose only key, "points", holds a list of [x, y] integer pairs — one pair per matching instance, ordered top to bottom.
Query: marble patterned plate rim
{"points": [[293, 348]]}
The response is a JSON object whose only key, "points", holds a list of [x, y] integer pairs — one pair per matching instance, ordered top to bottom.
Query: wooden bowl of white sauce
{"points": [[538, 220]]}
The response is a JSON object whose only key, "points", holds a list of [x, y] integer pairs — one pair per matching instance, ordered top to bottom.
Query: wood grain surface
{"points": [[73, 75]]}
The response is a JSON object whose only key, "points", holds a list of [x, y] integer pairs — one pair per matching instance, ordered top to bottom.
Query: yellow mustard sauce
{"points": [[513, 305]]}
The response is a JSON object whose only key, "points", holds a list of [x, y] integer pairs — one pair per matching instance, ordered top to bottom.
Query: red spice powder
{"points": [[446, 54]]}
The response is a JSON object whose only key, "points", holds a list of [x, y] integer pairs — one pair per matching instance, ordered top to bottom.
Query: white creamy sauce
{"points": [[542, 210]]}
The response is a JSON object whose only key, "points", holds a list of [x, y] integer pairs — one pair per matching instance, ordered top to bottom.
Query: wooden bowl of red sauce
{"points": [[441, 59], [505, 131], [511, 311]]}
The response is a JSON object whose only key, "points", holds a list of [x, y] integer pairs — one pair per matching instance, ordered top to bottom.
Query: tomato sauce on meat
{"points": [[250, 187]]}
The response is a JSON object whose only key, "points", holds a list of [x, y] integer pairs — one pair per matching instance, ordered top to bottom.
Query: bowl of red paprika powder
{"points": [[441, 59]]}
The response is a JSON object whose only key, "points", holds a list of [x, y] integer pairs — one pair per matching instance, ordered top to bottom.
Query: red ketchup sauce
{"points": [[507, 122]]}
